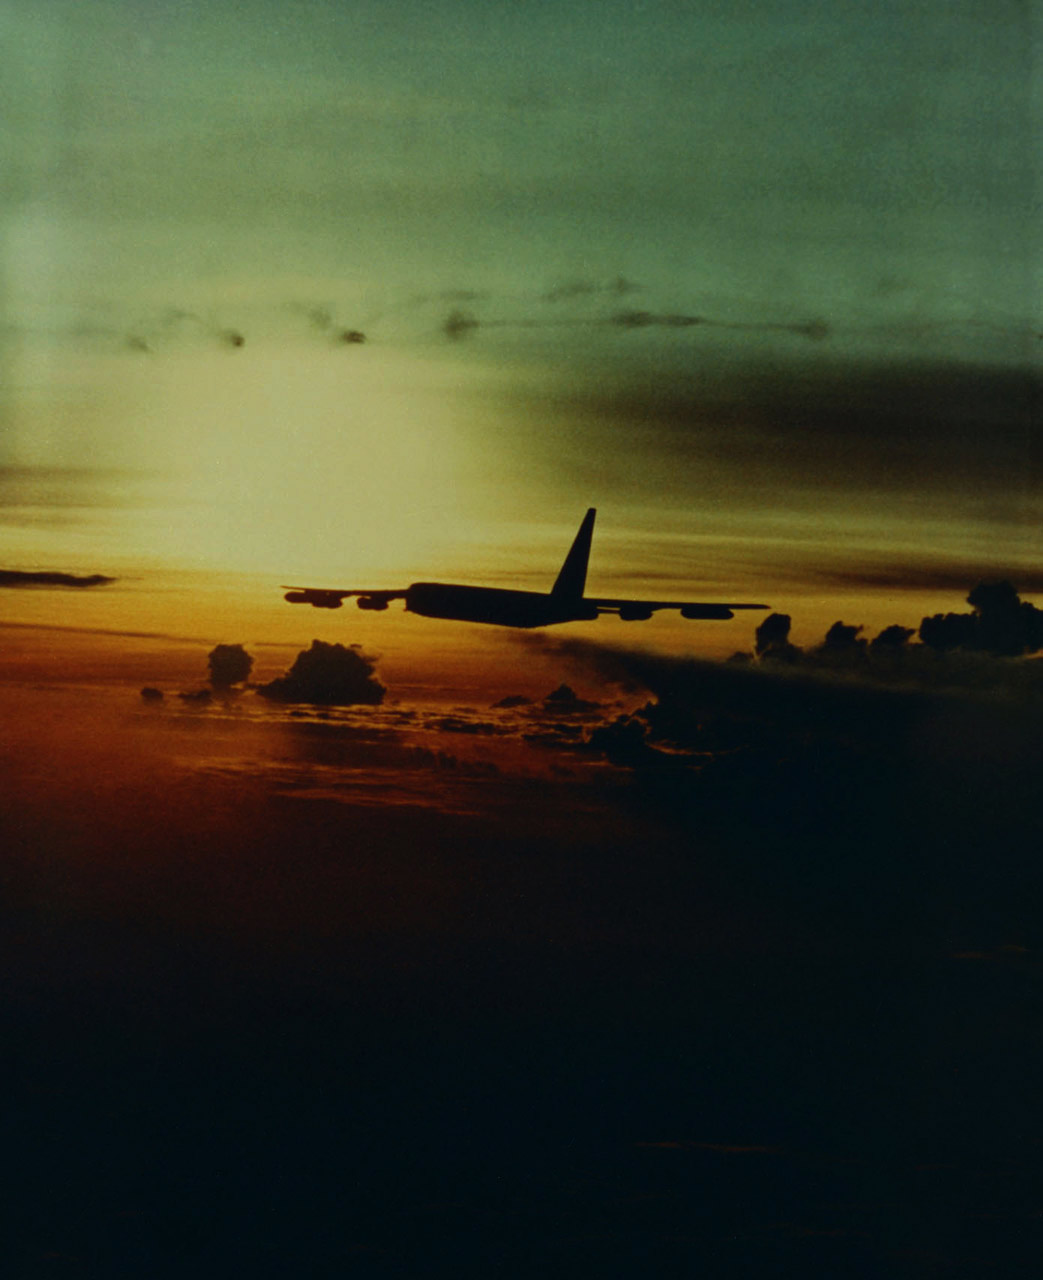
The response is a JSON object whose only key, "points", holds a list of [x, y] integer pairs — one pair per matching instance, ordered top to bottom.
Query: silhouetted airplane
{"points": [[564, 603]]}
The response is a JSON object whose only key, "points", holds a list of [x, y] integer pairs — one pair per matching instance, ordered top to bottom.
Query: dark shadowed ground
{"points": [[292, 997]]}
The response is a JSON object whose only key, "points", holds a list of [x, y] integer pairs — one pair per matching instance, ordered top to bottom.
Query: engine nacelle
{"points": [[317, 599], [372, 602], [707, 612], [634, 613]]}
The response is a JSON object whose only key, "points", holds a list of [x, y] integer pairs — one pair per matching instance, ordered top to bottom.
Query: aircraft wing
{"points": [[333, 598], [642, 610]]}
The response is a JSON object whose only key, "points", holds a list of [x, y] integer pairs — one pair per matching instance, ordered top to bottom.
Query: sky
{"points": [[759, 281], [581, 945]]}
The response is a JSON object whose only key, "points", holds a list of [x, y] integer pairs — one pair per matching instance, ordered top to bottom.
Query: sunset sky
{"points": [[759, 281], [579, 952]]}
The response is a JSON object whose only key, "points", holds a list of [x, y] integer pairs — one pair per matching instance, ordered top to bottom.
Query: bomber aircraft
{"points": [[565, 602]]}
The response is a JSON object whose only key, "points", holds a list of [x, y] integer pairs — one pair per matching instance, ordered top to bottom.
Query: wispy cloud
{"points": [[18, 578]]}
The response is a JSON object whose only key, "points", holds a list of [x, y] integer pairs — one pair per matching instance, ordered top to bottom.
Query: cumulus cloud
{"points": [[1001, 624], [892, 637], [843, 638], [772, 639], [229, 665], [330, 675], [844, 689], [829, 785]]}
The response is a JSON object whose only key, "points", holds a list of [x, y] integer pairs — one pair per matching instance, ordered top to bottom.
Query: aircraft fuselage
{"points": [[494, 605]]}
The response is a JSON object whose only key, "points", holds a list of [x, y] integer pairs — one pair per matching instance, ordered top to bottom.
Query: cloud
{"points": [[570, 290], [321, 319], [459, 324], [818, 330], [827, 424], [925, 574], [17, 578], [1001, 624], [109, 631], [772, 636], [892, 638], [842, 639], [229, 664], [328, 674], [864, 694], [565, 701], [461, 724], [837, 787]]}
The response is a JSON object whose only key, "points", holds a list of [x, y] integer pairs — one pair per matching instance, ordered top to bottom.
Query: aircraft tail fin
{"points": [[573, 576]]}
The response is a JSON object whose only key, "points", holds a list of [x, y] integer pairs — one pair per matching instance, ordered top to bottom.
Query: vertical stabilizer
{"points": [[573, 576]]}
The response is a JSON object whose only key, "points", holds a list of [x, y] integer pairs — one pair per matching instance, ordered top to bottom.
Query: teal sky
{"points": [[766, 274]]}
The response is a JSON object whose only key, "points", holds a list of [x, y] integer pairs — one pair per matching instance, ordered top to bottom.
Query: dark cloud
{"points": [[322, 319], [177, 323], [459, 324], [817, 330], [149, 334], [830, 423], [929, 574], [17, 578], [1001, 624], [111, 631], [773, 633], [892, 637], [842, 638], [229, 665], [328, 674], [197, 697], [565, 701], [699, 705], [459, 724], [555, 735], [625, 742], [831, 783]]}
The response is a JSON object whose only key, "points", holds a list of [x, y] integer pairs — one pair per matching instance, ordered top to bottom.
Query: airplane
{"points": [[565, 602]]}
